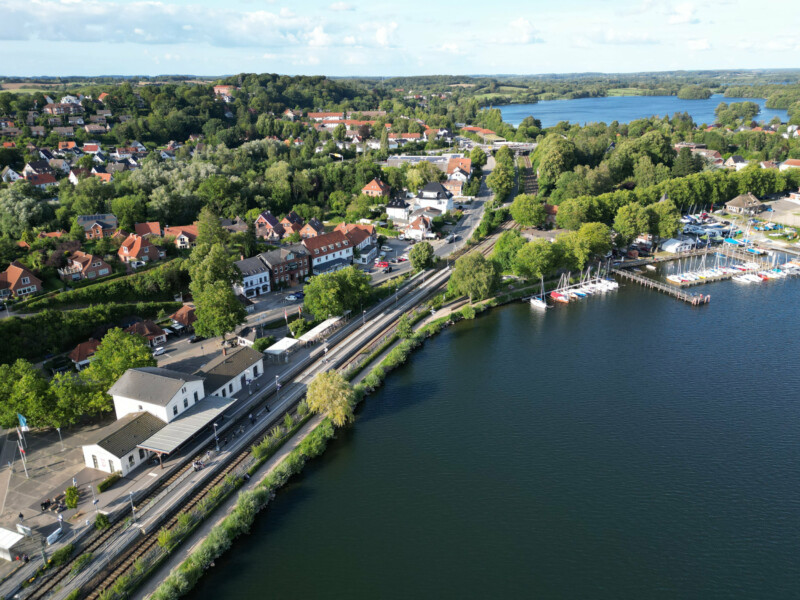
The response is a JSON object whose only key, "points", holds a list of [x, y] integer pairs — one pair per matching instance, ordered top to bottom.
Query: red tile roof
{"points": [[792, 162], [465, 164], [43, 179], [376, 185], [149, 228], [190, 231], [326, 243], [136, 245], [12, 276], [184, 315], [146, 329], [84, 350]]}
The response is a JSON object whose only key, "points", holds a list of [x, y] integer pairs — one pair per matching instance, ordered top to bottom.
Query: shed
{"points": [[677, 245], [9, 539]]}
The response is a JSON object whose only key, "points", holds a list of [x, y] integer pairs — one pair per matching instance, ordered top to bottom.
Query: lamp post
{"points": [[363, 317], [277, 390], [58, 429], [216, 437], [94, 499], [133, 509]]}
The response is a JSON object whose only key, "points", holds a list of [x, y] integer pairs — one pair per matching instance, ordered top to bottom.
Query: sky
{"points": [[402, 37]]}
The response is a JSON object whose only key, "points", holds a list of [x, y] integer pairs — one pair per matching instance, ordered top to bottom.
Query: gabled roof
{"points": [[791, 162], [465, 164], [41, 179], [376, 185], [434, 189], [747, 200], [397, 202], [268, 218], [293, 218], [106, 221], [422, 222], [315, 224], [149, 228], [190, 231], [326, 243], [135, 246], [279, 256], [251, 266], [12, 276], [185, 315], [146, 329], [84, 350], [222, 369], [153, 385], [122, 437]]}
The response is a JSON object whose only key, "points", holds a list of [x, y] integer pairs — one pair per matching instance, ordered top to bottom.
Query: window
{"points": [[25, 280], [255, 371], [230, 388], [223, 393], [195, 396], [185, 403], [140, 407], [175, 410], [141, 454], [131, 460]]}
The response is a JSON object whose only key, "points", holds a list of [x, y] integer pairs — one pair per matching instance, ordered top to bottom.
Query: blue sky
{"points": [[403, 37]]}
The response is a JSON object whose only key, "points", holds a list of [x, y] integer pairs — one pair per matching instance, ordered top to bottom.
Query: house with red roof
{"points": [[102, 97], [325, 116], [790, 163], [43, 180], [376, 189], [292, 222], [268, 227], [151, 228], [313, 228], [419, 228], [185, 235], [138, 248], [329, 252], [81, 265], [17, 281], [184, 317], [149, 331], [82, 354]]}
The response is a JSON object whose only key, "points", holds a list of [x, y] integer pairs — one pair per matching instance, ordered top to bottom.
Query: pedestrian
{"points": [[21, 518], [25, 558]]}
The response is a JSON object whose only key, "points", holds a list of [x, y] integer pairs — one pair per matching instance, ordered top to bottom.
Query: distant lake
{"points": [[626, 109]]}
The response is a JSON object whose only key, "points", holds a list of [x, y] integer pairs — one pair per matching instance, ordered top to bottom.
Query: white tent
{"points": [[8, 539]]}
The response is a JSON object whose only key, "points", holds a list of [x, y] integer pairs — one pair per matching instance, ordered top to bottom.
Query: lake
{"points": [[626, 109], [627, 446]]}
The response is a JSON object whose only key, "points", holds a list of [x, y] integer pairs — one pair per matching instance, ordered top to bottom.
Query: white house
{"points": [[434, 195], [398, 209], [419, 228], [677, 245], [329, 252], [255, 277], [229, 373], [160, 392], [116, 451]]}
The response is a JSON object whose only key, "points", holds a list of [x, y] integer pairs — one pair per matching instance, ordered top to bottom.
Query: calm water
{"points": [[625, 109], [625, 447]]}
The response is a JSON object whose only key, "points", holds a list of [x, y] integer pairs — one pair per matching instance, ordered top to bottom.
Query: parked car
{"points": [[402, 236], [386, 248], [402, 259], [137, 263], [382, 264], [387, 270], [300, 295], [291, 298], [196, 338], [159, 351]]}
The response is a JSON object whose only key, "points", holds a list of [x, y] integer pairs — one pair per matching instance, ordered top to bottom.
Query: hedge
{"points": [[160, 283], [53, 331], [109, 481]]}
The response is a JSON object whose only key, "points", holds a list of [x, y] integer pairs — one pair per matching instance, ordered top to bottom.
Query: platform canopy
{"points": [[319, 330], [281, 346], [187, 425], [8, 539]]}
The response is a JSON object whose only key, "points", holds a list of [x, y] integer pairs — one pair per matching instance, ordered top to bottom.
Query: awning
{"points": [[319, 330], [281, 346], [187, 425]]}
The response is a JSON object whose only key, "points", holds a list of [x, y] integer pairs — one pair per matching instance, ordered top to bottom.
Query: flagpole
{"points": [[58, 429], [21, 436], [24, 463]]}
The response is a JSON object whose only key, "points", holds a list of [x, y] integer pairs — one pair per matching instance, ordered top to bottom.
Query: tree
{"points": [[694, 92], [478, 157], [686, 164], [528, 210], [665, 219], [631, 220], [209, 229], [597, 237], [506, 248], [574, 250], [421, 256], [535, 259], [217, 265], [473, 276], [331, 294], [218, 310], [404, 329], [263, 343], [118, 352], [24, 391], [329, 393]]}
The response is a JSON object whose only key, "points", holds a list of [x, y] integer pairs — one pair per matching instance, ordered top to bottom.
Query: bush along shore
{"points": [[184, 577]]}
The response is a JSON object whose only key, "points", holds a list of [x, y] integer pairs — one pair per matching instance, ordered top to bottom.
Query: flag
{"points": [[300, 310], [286, 316], [23, 423]]}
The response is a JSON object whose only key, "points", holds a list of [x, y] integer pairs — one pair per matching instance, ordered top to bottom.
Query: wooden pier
{"points": [[693, 299]]}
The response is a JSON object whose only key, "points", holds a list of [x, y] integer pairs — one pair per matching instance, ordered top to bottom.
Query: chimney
{"points": [[224, 351]]}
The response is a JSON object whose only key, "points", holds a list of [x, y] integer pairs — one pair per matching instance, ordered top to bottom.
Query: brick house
{"points": [[376, 189], [292, 223], [98, 226], [268, 227], [147, 229], [312, 229], [185, 235], [136, 247], [329, 252], [84, 266], [288, 266], [17, 281], [149, 331], [82, 354]]}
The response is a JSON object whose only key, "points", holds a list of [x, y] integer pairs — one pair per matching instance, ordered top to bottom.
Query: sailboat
{"points": [[560, 296], [539, 301]]}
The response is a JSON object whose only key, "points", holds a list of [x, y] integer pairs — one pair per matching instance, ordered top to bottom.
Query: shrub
{"points": [[468, 312], [263, 343], [108, 481], [71, 497], [101, 522], [61, 556], [81, 562]]}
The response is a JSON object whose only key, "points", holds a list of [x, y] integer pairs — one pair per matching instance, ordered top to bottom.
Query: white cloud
{"points": [[341, 6], [286, 13], [683, 14], [138, 31], [523, 32], [384, 34], [318, 37], [613, 37], [349, 40], [699, 45], [449, 48], [269, 56]]}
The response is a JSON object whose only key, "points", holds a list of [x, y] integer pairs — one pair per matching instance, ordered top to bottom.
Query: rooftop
{"points": [[223, 368], [153, 385], [131, 430]]}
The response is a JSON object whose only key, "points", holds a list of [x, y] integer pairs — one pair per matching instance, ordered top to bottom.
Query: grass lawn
{"points": [[624, 92]]}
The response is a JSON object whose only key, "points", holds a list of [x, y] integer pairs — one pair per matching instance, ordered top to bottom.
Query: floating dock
{"points": [[670, 290]]}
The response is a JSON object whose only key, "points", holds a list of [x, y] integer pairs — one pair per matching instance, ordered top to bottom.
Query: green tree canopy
{"points": [[528, 210], [631, 221], [506, 248], [421, 256], [535, 259], [473, 276], [331, 294], [218, 310], [329, 393]]}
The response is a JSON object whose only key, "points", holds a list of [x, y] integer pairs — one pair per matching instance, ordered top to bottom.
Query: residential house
{"points": [[224, 90], [102, 97], [62, 108], [291, 115], [325, 116], [97, 119], [76, 121], [95, 128], [38, 131], [64, 131], [12, 132], [66, 146], [91, 148], [736, 162], [462, 163], [790, 163], [768, 164], [60, 165], [37, 167], [78, 173], [459, 174], [9, 175], [41, 181], [454, 186], [376, 189], [434, 195], [745, 204], [398, 209], [292, 223], [236, 225], [97, 226], [268, 227], [151, 228], [313, 228], [419, 228], [52, 234], [185, 235], [364, 240], [677, 245], [138, 248], [329, 252], [81, 265], [288, 265], [255, 277], [17, 281], [184, 317], [151, 332], [82, 354], [232, 372], [161, 392], [117, 450]]}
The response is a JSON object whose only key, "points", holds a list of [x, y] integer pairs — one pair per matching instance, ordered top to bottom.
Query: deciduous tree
{"points": [[329, 393]]}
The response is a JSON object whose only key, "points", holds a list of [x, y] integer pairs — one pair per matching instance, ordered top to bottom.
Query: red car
{"points": [[382, 265]]}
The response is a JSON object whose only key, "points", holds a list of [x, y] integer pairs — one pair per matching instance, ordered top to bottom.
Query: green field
{"points": [[624, 92]]}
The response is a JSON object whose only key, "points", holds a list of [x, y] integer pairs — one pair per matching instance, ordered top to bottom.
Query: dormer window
{"points": [[25, 280]]}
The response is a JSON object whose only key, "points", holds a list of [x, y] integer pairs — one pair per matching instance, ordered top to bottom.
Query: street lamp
{"points": [[363, 318], [277, 389], [216, 438], [94, 498], [133, 509]]}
